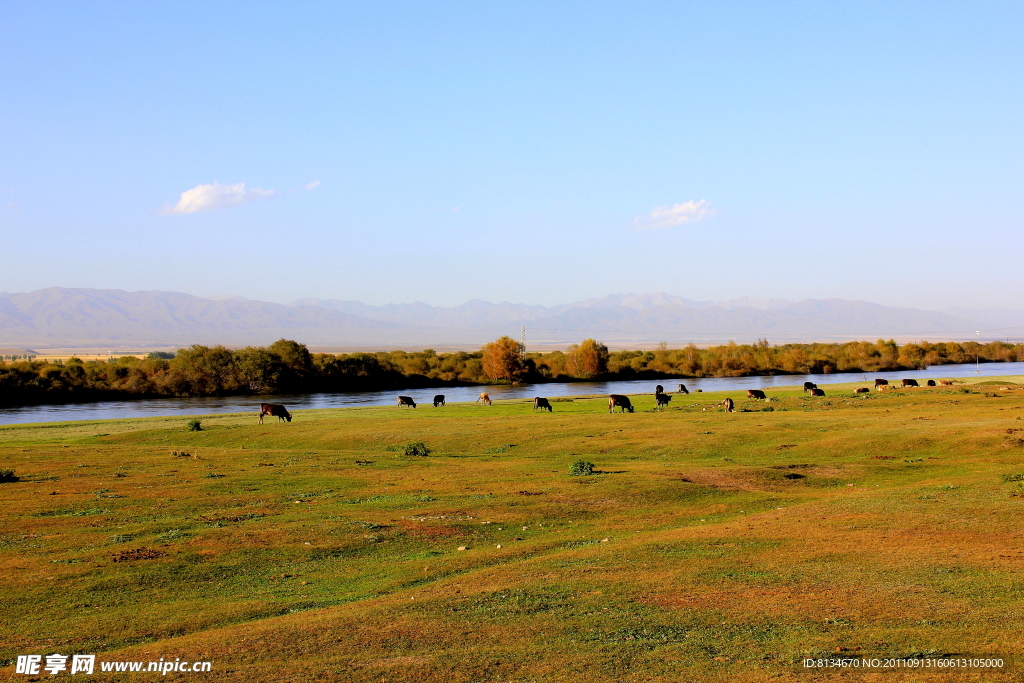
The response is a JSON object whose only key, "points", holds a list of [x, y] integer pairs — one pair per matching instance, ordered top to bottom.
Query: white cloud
{"points": [[313, 185], [216, 196], [677, 214]]}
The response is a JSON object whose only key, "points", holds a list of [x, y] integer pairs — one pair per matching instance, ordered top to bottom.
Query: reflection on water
{"points": [[240, 404]]}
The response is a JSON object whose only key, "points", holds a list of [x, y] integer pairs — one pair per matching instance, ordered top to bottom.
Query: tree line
{"points": [[289, 367]]}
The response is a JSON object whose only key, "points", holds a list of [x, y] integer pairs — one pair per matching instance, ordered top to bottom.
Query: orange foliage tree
{"points": [[503, 359], [587, 359]]}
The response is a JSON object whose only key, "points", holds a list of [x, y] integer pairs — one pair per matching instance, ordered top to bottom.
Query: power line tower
{"points": [[522, 340]]}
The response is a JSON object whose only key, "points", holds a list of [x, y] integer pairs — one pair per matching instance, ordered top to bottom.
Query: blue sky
{"points": [[532, 152]]}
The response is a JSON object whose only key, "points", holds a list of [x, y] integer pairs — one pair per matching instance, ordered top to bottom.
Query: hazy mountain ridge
{"points": [[67, 316]]}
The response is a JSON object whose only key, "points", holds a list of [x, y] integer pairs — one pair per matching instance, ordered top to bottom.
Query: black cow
{"points": [[880, 382], [909, 383], [931, 383], [810, 385], [682, 389], [659, 390], [861, 390], [817, 392], [756, 393], [662, 399], [439, 400], [406, 401], [620, 401], [541, 403], [729, 405], [274, 410]]}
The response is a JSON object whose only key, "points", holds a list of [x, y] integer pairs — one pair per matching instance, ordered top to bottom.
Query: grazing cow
{"points": [[946, 382], [880, 383], [909, 383], [931, 383], [810, 385], [886, 387], [682, 389], [659, 390], [861, 390], [817, 392], [756, 393], [484, 398], [662, 399], [439, 400], [406, 401], [620, 401], [541, 403], [729, 405], [274, 410]]}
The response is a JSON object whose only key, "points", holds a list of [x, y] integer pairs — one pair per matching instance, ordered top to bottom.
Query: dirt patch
{"points": [[138, 554]]}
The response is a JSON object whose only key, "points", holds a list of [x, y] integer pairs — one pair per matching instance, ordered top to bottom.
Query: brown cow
{"points": [[946, 382], [880, 383], [909, 383], [682, 389], [861, 390], [817, 392], [756, 393], [484, 398], [662, 399], [439, 400], [406, 401], [620, 401], [542, 403], [729, 405], [274, 410]]}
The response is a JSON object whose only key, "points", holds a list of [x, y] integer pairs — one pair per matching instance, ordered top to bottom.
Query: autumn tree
{"points": [[503, 359], [588, 359]]}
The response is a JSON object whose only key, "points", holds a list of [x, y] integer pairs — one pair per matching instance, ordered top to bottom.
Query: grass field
{"points": [[706, 547]]}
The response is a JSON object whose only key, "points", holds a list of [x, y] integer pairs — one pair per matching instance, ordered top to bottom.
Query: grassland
{"points": [[708, 547]]}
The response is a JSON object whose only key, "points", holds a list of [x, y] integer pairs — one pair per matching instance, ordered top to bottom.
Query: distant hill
{"points": [[89, 317]]}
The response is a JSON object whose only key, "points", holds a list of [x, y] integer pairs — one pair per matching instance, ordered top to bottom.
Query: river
{"points": [[105, 410]]}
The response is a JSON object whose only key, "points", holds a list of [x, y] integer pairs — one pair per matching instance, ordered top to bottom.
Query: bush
{"points": [[195, 426], [417, 448], [581, 468], [7, 476]]}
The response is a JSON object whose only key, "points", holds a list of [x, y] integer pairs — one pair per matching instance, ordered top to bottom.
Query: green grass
{"points": [[704, 546]]}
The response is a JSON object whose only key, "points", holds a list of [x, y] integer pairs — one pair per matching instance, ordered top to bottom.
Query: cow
{"points": [[946, 382], [880, 383], [909, 383], [931, 383], [810, 385], [886, 387], [682, 389], [861, 390], [817, 392], [756, 393], [484, 398], [662, 399], [439, 400], [406, 401], [620, 401], [541, 403], [729, 405], [274, 410]]}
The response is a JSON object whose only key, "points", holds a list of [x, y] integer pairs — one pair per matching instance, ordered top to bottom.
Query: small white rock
{"points": [[604, 540], [498, 546], [461, 547]]}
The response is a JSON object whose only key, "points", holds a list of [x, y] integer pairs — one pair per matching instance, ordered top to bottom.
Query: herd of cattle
{"points": [[622, 402]]}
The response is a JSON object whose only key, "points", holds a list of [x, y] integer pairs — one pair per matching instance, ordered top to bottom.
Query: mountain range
{"points": [[66, 317]]}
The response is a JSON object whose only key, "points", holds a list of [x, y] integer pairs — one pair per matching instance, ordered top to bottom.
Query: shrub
{"points": [[195, 426], [417, 448], [581, 468], [7, 476]]}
